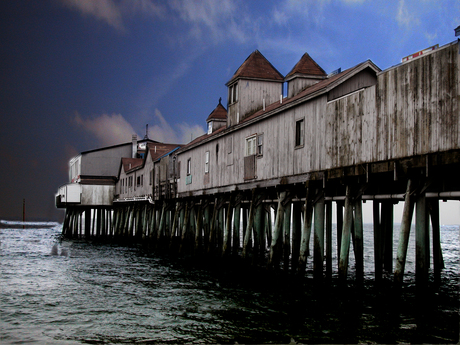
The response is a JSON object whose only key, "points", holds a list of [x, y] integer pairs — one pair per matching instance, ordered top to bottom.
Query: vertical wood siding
{"points": [[413, 110]]}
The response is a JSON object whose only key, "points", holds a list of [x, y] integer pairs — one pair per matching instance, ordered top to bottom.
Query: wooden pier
{"points": [[262, 185]]}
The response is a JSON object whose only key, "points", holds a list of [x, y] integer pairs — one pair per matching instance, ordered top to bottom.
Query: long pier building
{"points": [[262, 182]]}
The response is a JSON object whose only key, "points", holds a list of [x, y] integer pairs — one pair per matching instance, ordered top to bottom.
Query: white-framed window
{"points": [[209, 127], [299, 133], [260, 144], [251, 145], [206, 162], [189, 166]]}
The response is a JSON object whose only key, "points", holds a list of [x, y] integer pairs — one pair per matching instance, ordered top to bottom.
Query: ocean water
{"points": [[56, 291]]}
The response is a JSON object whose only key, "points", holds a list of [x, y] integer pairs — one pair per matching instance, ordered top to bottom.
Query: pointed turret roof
{"points": [[256, 66], [306, 66], [219, 113]]}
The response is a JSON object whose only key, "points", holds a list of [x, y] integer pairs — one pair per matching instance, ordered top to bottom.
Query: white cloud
{"points": [[406, 17], [218, 20], [107, 129], [164, 132]]}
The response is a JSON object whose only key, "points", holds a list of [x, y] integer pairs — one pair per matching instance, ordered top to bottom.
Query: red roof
{"points": [[257, 66], [307, 66], [219, 113], [159, 150], [131, 163]]}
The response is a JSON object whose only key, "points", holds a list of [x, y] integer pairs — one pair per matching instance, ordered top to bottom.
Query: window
{"points": [[233, 93], [209, 127], [299, 133], [260, 144], [229, 145], [251, 145], [206, 162], [189, 166], [151, 177]]}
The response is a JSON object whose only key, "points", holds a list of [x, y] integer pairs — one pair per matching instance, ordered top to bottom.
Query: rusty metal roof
{"points": [[256, 66], [306, 66]]}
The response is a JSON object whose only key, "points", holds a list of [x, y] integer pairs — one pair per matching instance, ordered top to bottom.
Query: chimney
{"points": [[134, 146]]}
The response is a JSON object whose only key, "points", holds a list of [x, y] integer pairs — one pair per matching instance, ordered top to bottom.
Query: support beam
{"points": [[250, 222], [277, 229], [306, 231], [346, 234], [404, 235], [328, 239], [358, 240], [421, 243], [318, 248]]}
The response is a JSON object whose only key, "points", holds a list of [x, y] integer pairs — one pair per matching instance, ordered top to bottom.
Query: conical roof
{"points": [[256, 66], [307, 66], [219, 113]]}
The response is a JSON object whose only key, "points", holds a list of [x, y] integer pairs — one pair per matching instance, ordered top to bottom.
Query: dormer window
{"points": [[233, 93], [209, 127]]}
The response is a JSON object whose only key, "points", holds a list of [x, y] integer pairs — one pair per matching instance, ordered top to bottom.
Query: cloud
{"points": [[105, 10], [114, 12], [405, 17], [218, 20], [107, 129], [162, 131]]}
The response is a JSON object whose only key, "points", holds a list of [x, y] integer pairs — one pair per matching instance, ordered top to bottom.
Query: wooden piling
{"points": [[328, 205], [250, 222], [227, 228], [236, 228], [306, 231], [296, 234], [346, 234], [404, 235], [287, 236], [358, 239], [421, 245], [318, 248], [274, 255], [438, 263]]}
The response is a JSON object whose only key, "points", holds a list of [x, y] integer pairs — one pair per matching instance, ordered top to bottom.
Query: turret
{"points": [[304, 74], [255, 84]]}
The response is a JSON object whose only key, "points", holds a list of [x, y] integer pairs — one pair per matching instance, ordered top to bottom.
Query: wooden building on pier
{"points": [[359, 134]]}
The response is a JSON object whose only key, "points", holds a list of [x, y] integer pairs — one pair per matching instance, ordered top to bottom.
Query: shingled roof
{"points": [[256, 66], [306, 66], [219, 113]]}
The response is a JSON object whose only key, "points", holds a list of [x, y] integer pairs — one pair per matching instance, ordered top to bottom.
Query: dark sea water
{"points": [[55, 291]]}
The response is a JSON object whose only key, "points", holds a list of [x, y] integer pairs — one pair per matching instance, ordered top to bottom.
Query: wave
{"points": [[16, 223]]}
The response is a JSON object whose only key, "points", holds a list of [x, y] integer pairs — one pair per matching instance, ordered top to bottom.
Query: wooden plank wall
{"points": [[413, 110]]}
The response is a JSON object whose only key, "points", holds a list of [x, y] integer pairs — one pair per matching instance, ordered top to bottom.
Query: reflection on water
{"points": [[69, 292]]}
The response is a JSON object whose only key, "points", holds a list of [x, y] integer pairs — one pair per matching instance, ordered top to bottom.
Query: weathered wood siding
{"points": [[297, 84], [251, 94], [418, 106], [413, 110]]}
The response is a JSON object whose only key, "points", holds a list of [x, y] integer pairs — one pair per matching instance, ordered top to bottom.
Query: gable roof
{"points": [[256, 66], [306, 66], [317, 89], [219, 113], [159, 150], [131, 163]]}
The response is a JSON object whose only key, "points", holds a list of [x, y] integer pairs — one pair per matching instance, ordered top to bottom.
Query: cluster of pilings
{"points": [[273, 228]]}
